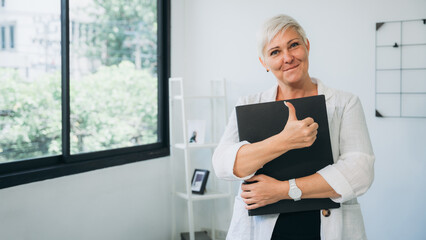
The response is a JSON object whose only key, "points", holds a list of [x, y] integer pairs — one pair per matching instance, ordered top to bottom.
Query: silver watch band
{"points": [[292, 183]]}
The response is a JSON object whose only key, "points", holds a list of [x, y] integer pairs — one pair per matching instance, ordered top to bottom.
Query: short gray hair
{"points": [[276, 25]]}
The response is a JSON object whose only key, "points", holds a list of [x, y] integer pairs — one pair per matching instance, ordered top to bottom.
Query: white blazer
{"points": [[350, 176]]}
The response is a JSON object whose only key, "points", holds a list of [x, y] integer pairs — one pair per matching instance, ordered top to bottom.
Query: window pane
{"points": [[3, 37], [12, 37], [113, 56], [30, 83]]}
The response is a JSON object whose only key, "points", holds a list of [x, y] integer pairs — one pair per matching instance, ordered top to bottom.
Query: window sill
{"points": [[56, 170]]}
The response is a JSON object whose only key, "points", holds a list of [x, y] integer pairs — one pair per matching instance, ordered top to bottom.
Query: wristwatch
{"points": [[294, 192]]}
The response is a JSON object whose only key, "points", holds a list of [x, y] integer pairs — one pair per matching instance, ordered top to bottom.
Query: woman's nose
{"points": [[288, 57]]}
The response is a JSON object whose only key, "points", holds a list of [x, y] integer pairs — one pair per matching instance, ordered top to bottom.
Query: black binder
{"points": [[257, 122]]}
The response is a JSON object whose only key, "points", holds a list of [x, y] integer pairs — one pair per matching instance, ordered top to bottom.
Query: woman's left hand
{"points": [[265, 190]]}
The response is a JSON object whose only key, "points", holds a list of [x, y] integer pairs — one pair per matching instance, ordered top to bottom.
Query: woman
{"points": [[284, 50]]}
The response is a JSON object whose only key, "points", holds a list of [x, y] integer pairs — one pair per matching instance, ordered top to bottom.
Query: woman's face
{"points": [[287, 57]]}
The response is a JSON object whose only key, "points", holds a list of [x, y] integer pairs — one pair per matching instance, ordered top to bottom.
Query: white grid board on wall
{"points": [[401, 69]]}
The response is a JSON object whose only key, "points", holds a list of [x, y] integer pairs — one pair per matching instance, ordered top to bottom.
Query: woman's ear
{"points": [[308, 45], [263, 64]]}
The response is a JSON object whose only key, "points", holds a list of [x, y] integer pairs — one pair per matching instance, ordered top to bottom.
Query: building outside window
{"points": [[7, 36]]}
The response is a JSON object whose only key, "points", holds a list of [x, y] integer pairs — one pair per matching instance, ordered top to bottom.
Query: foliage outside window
{"points": [[113, 74], [114, 79]]}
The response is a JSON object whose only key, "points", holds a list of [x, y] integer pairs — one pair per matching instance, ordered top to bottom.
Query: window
{"points": [[7, 36], [12, 36], [3, 38], [100, 101], [32, 126]]}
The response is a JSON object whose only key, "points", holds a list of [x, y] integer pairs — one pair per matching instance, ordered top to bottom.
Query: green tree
{"points": [[123, 30], [114, 107], [30, 123]]}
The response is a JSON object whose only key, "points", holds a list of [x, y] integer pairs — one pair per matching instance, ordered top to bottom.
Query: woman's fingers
{"points": [[291, 111], [308, 121], [313, 126], [299, 133], [310, 140], [265, 190], [245, 195], [249, 201], [252, 202], [254, 206]]}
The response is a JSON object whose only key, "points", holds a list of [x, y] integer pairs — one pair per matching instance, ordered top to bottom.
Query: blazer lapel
{"points": [[329, 100]]}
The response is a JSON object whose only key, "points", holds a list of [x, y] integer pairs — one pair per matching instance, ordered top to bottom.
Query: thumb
{"points": [[291, 111]]}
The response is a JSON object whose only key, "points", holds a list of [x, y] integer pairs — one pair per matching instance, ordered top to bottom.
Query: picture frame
{"points": [[196, 131], [199, 181]]}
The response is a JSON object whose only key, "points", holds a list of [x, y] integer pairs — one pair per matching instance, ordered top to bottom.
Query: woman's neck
{"points": [[305, 89]]}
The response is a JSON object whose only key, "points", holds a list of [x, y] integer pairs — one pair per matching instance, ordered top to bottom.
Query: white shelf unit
{"points": [[212, 193]]}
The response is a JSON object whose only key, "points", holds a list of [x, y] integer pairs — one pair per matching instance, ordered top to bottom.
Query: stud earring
{"points": [[267, 70]]}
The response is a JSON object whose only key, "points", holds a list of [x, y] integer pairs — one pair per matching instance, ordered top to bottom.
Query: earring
{"points": [[267, 70]]}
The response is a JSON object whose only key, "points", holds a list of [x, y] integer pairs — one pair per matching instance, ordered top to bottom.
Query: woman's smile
{"points": [[290, 68]]}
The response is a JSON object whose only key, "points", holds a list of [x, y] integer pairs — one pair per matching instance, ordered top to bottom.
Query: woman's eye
{"points": [[295, 44], [275, 52]]}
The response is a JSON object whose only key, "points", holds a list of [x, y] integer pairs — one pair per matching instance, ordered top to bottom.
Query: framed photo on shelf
{"points": [[196, 131], [199, 181]]}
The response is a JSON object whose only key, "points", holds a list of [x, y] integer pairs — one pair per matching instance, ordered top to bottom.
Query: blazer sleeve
{"points": [[225, 153], [353, 172]]}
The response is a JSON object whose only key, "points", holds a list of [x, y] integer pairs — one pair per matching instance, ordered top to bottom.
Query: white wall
{"points": [[218, 39], [118, 203]]}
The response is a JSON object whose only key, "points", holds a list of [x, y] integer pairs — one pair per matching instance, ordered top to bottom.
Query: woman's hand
{"points": [[298, 133], [265, 190]]}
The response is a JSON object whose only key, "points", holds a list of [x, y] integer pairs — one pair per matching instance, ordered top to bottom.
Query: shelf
{"points": [[212, 104], [186, 146], [206, 196]]}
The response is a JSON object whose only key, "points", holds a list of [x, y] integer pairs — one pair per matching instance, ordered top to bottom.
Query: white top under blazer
{"points": [[351, 175]]}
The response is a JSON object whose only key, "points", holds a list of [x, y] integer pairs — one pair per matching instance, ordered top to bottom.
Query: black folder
{"points": [[257, 122]]}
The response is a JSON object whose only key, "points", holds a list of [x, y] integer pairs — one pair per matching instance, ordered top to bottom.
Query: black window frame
{"points": [[38, 169]]}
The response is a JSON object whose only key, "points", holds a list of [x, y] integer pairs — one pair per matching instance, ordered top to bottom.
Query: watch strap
{"points": [[292, 183]]}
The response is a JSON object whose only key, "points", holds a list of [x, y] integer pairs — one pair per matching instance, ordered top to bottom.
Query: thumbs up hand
{"points": [[298, 133]]}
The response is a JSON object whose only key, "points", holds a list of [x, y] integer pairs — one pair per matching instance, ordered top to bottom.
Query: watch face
{"points": [[295, 193]]}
